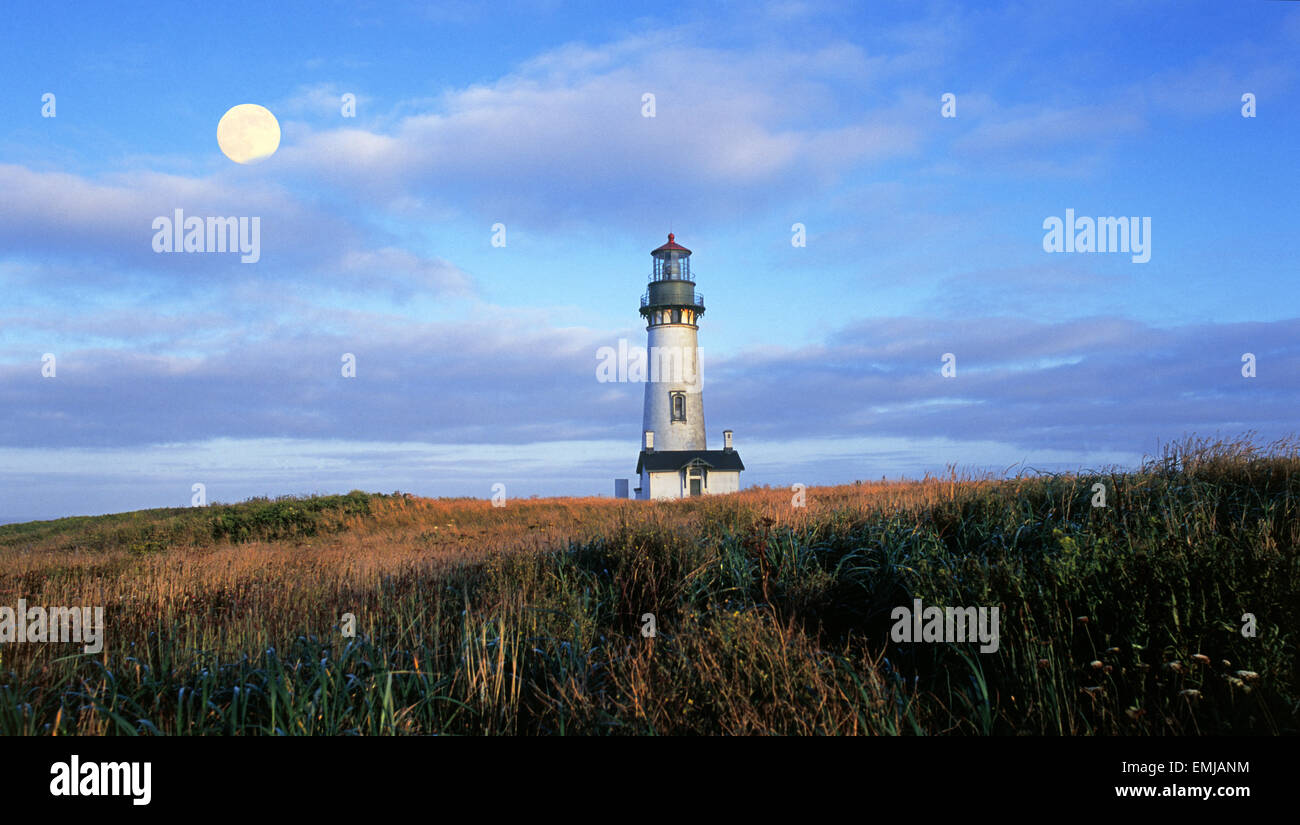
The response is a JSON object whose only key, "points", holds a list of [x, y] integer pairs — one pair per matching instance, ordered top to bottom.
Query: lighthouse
{"points": [[675, 461]]}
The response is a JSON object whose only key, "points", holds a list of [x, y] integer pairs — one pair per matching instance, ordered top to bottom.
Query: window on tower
{"points": [[677, 316], [678, 405]]}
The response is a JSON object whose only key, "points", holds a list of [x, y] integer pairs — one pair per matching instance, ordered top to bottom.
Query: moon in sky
{"points": [[248, 133]]}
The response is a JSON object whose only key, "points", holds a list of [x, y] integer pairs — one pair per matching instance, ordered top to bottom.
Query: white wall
{"points": [[682, 340], [724, 481], [666, 485], [672, 485]]}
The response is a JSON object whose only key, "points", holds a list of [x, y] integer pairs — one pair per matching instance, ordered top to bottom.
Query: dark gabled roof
{"points": [[668, 460]]}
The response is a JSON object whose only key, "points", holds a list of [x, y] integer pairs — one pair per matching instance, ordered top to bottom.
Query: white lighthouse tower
{"points": [[675, 460]]}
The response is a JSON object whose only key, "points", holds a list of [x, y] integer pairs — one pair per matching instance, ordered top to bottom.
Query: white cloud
{"points": [[567, 125]]}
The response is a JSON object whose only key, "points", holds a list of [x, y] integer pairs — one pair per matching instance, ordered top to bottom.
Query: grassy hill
{"points": [[470, 619]]}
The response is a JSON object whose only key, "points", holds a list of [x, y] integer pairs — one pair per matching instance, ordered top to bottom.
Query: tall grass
{"points": [[527, 619]]}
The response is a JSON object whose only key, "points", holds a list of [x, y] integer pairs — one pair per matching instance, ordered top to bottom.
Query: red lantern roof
{"points": [[672, 245]]}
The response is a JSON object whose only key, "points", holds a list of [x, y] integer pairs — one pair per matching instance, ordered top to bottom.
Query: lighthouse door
{"points": [[694, 480]]}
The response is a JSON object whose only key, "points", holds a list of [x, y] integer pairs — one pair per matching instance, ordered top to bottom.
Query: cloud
{"points": [[1214, 83], [319, 101], [567, 128], [1026, 129], [56, 214], [61, 232], [1097, 382], [1100, 382]]}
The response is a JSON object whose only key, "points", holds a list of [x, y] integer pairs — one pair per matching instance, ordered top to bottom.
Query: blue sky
{"points": [[476, 364]]}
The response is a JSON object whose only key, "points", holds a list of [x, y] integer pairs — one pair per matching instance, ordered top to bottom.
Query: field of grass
{"points": [[770, 618]]}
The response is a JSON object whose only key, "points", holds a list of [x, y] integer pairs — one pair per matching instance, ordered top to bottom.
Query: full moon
{"points": [[248, 133]]}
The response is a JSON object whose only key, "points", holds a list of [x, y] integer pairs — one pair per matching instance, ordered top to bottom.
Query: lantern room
{"points": [[672, 262]]}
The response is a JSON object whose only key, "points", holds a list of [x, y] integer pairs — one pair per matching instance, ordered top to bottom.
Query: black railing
{"points": [[699, 299]]}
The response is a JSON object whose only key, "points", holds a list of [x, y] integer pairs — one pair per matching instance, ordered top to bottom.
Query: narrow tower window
{"points": [[678, 400]]}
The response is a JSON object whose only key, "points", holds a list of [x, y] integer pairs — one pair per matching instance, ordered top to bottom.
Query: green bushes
{"points": [[285, 517], [147, 531]]}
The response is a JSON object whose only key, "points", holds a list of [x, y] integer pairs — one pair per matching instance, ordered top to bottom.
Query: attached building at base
{"points": [[683, 473]]}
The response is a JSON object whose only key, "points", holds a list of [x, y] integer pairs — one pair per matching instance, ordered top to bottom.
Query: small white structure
{"points": [[675, 460], [682, 473]]}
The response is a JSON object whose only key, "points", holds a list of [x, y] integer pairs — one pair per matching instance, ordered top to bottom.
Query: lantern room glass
{"points": [[672, 266]]}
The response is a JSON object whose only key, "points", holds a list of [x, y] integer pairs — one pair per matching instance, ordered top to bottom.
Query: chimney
{"points": [[726, 440], [649, 441]]}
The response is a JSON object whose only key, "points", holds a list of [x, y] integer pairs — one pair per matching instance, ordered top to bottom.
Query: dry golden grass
{"points": [[409, 535]]}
